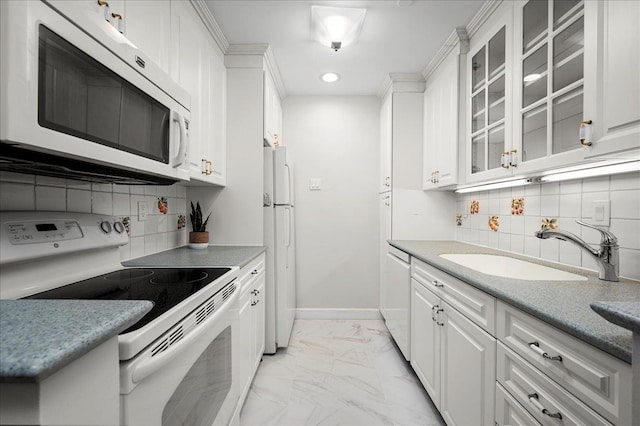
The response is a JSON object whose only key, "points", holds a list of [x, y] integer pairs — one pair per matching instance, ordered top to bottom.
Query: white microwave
{"points": [[79, 100]]}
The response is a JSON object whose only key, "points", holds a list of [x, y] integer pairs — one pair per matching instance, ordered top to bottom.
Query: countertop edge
{"points": [[252, 252], [612, 313], [611, 348], [37, 372]]}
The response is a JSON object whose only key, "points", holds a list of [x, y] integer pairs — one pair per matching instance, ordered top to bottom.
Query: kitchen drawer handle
{"points": [[254, 272], [437, 284], [536, 347], [533, 398]]}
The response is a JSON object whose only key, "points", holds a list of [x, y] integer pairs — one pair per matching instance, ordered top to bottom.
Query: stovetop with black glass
{"points": [[165, 287]]}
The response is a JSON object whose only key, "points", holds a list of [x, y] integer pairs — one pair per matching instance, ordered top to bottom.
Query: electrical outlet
{"points": [[315, 184], [143, 210]]}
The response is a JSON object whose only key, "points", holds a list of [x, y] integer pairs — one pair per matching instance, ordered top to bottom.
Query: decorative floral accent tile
{"points": [[163, 205], [517, 206], [475, 207], [459, 220], [126, 221], [182, 221], [494, 223], [549, 224]]}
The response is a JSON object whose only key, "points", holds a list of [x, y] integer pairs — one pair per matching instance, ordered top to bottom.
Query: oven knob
{"points": [[106, 227], [119, 227]]}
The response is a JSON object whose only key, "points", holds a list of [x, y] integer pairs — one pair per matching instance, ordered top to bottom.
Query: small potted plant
{"points": [[199, 238]]}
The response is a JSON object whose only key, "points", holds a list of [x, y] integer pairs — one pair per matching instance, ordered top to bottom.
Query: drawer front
{"points": [[250, 272], [476, 305], [600, 380], [545, 400], [509, 412]]}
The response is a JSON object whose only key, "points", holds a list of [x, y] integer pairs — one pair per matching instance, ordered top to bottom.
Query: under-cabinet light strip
{"points": [[632, 166], [497, 185]]}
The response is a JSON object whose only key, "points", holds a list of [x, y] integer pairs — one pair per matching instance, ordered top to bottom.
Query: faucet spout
{"points": [[607, 257]]}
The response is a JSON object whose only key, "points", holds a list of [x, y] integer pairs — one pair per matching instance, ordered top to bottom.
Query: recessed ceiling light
{"points": [[330, 77], [532, 77]]}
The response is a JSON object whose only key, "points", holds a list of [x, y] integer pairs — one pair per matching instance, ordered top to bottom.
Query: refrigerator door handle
{"points": [[290, 200], [288, 235]]}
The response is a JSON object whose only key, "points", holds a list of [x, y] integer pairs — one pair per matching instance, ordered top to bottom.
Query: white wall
{"points": [[336, 139], [567, 202]]}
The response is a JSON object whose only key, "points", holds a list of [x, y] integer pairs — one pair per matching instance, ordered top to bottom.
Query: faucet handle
{"points": [[606, 237]]}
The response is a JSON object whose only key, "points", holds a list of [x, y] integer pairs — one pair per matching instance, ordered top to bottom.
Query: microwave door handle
{"points": [[179, 158], [150, 366]]}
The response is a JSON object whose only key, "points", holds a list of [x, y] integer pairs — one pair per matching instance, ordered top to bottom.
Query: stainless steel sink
{"points": [[508, 267]]}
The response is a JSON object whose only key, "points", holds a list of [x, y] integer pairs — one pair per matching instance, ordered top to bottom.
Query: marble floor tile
{"points": [[338, 372]]}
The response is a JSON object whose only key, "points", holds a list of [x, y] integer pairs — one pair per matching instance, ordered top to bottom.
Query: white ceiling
{"points": [[397, 36]]}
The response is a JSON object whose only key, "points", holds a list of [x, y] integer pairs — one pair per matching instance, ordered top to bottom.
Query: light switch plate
{"points": [[315, 184], [143, 211], [601, 213]]}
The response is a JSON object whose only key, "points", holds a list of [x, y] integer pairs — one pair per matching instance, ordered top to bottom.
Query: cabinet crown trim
{"points": [[483, 14], [210, 22], [458, 37], [265, 51], [401, 82]]}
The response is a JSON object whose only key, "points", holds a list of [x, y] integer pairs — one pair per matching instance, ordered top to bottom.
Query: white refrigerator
{"points": [[279, 237]]}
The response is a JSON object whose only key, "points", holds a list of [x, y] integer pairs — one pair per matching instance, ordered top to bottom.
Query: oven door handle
{"points": [[151, 365]]}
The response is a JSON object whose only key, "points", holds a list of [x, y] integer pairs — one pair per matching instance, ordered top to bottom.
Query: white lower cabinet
{"points": [[397, 299], [252, 318], [453, 358], [532, 374]]}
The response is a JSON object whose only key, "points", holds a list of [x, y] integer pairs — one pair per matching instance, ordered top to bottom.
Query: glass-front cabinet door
{"points": [[549, 83], [489, 143]]}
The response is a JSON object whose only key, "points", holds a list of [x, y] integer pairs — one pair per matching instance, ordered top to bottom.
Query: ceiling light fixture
{"points": [[336, 27], [330, 77]]}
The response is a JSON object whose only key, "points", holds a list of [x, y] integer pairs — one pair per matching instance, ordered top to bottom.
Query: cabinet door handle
{"points": [[105, 9], [585, 133], [513, 158], [503, 160], [203, 166], [437, 178], [387, 181], [255, 302], [432, 314], [535, 346], [533, 398]]}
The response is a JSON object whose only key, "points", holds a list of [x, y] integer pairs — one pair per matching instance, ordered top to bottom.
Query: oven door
{"points": [[68, 94], [186, 377]]}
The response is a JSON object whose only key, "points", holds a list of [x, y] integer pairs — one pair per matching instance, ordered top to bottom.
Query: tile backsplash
{"points": [[566, 202], [161, 230]]}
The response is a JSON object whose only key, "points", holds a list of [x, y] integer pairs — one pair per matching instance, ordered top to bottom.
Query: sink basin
{"points": [[508, 267]]}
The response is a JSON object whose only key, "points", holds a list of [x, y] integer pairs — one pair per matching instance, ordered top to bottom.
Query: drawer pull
{"points": [[437, 284], [535, 346], [533, 398]]}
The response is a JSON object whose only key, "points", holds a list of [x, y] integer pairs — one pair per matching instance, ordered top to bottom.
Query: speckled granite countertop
{"points": [[211, 257], [563, 304], [624, 314], [39, 337]]}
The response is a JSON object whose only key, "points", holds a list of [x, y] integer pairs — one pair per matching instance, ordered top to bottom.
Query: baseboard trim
{"points": [[346, 314]]}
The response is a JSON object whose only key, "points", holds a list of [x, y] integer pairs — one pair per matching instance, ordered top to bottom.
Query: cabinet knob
{"points": [[586, 133]]}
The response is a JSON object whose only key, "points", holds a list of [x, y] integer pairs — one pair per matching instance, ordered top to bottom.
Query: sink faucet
{"points": [[607, 257]]}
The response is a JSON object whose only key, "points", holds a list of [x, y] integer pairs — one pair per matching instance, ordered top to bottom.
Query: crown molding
{"points": [[483, 14], [210, 22], [457, 38], [269, 61], [398, 82]]}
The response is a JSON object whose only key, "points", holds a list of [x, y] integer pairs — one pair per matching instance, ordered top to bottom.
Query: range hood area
{"points": [[20, 160]]}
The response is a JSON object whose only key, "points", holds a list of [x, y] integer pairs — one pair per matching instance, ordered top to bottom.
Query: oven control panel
{"points": [[37, 232], [32, 235]]}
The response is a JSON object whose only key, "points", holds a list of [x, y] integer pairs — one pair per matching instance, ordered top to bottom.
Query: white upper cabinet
{"points": [[149, 28], [198, 66], [550, 83], [613, 104], [272, 111], [442, 118], [385, 145], [489, 147]]}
